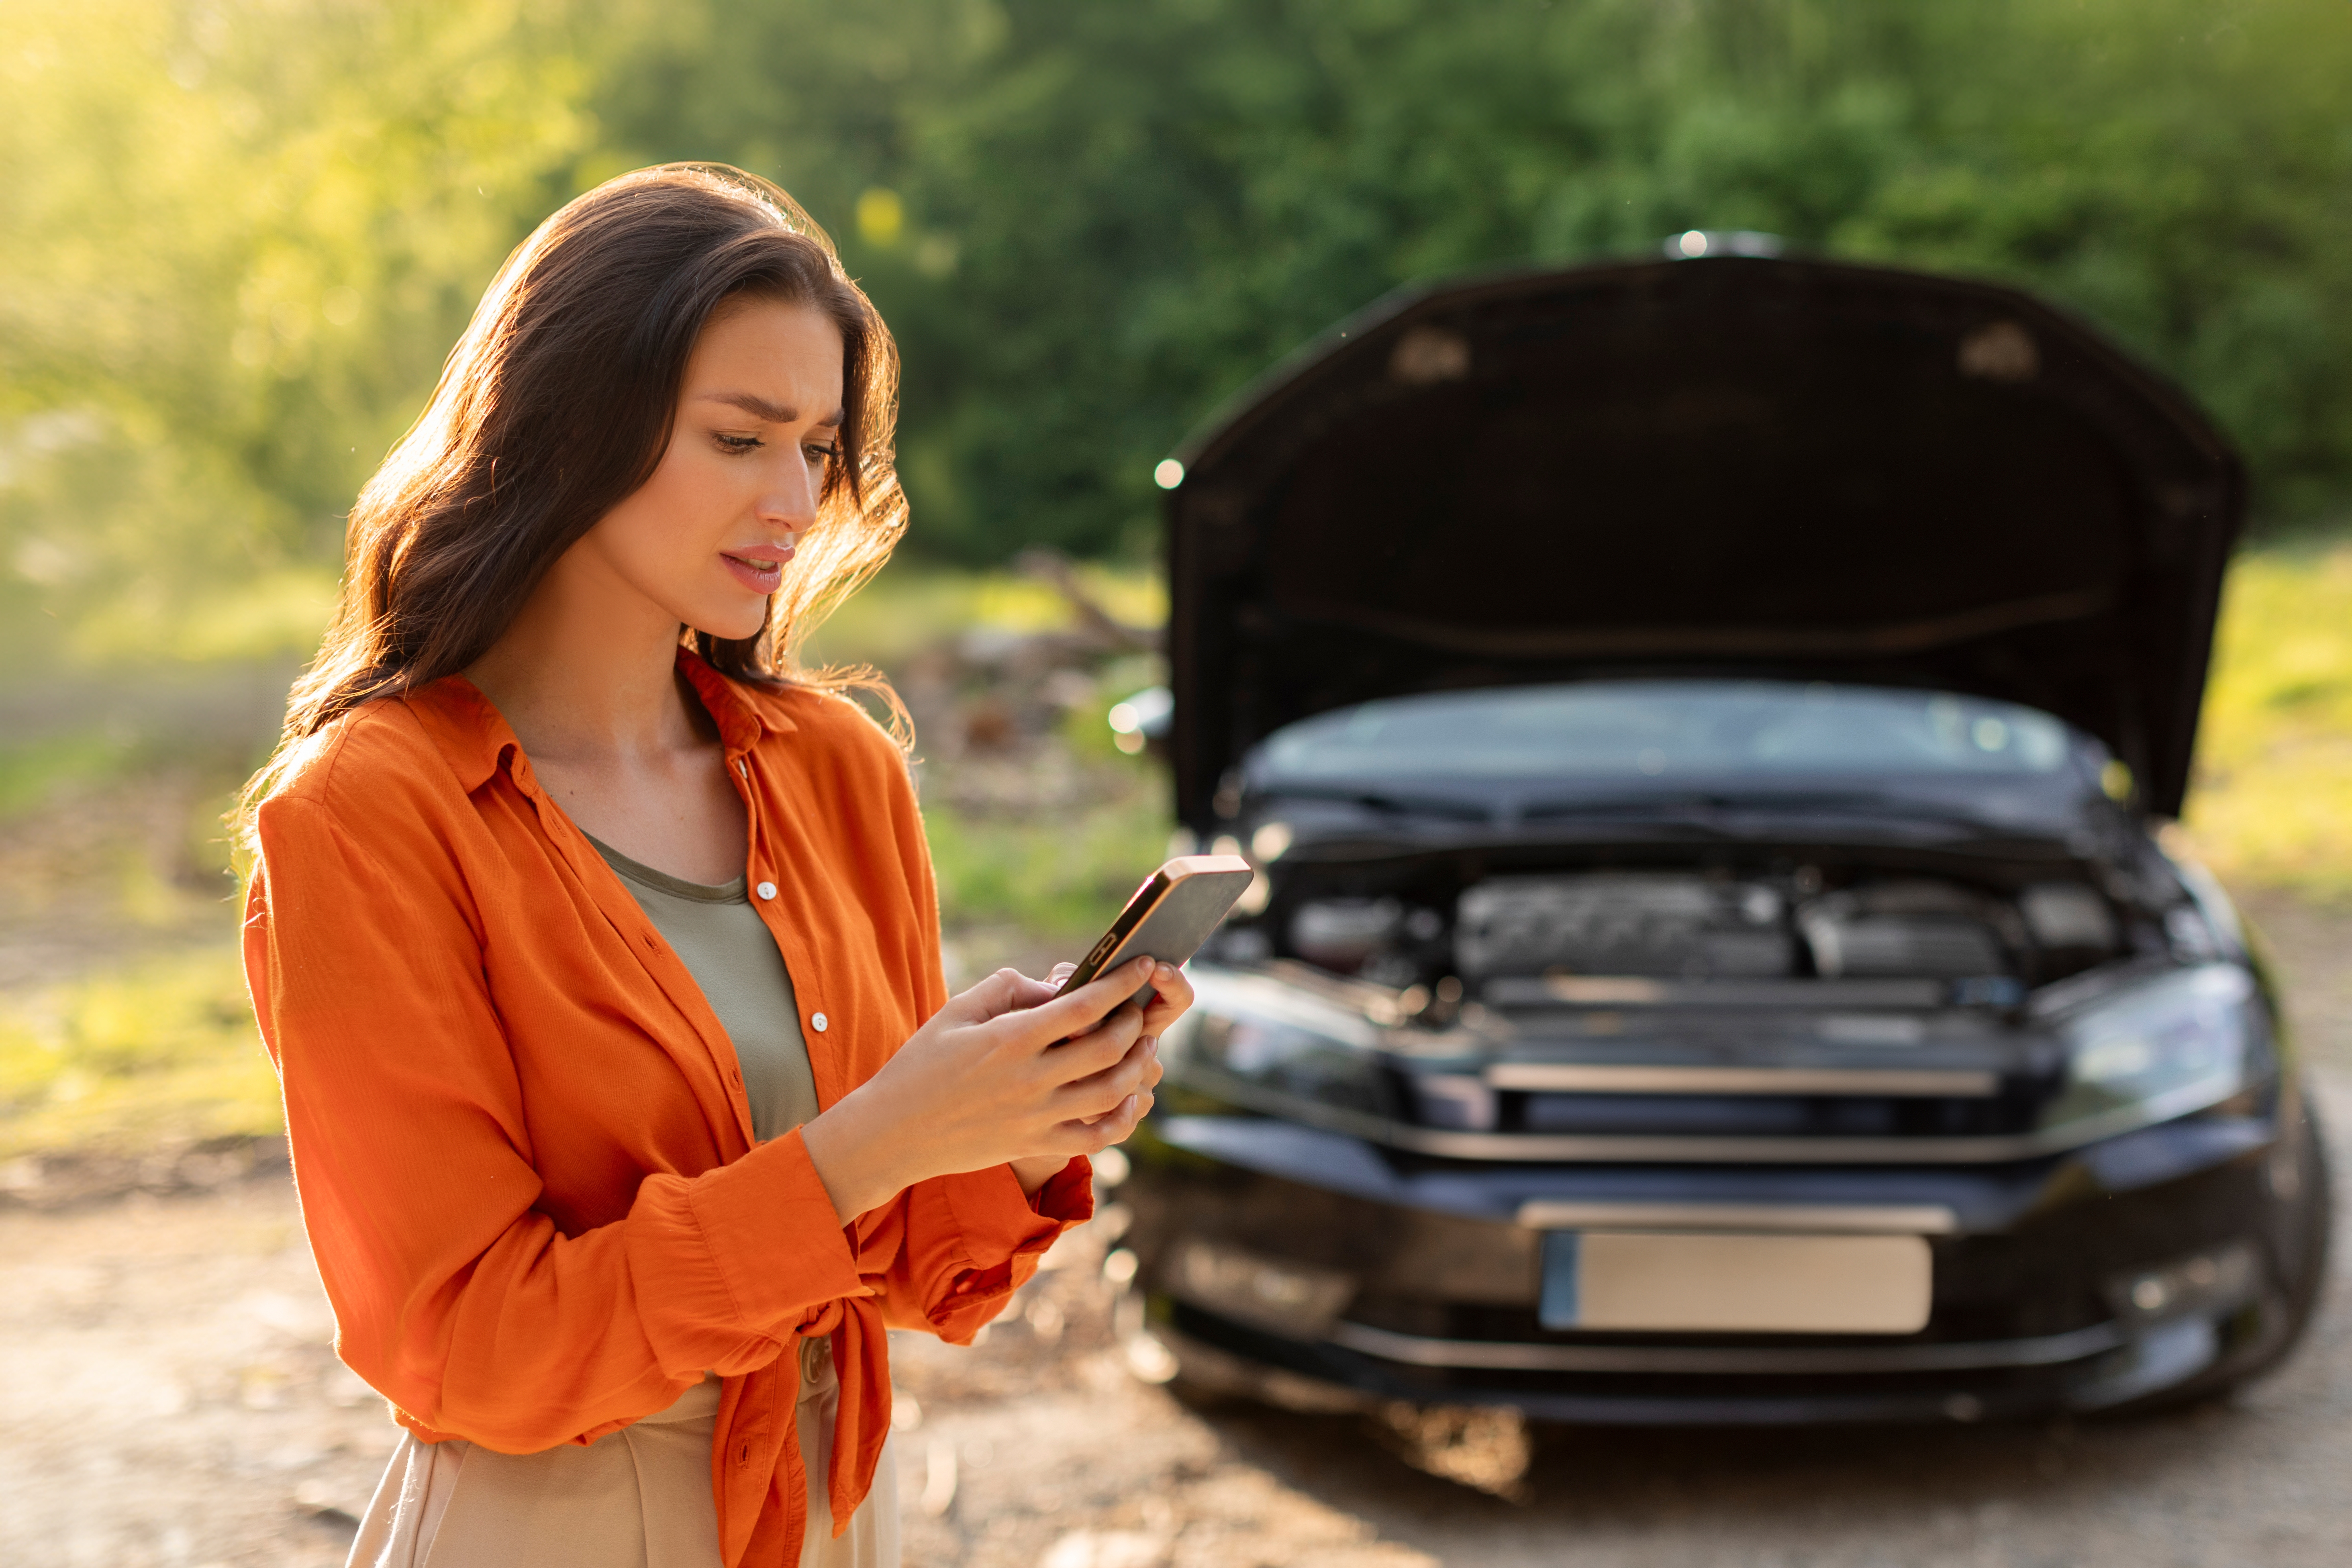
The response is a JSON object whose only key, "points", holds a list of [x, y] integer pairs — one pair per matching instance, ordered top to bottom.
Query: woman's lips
{"points": [[760, 574]]}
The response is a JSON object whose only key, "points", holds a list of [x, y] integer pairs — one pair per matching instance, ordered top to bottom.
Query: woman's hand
{"points": [[1170, 999], [1007, 1072]]}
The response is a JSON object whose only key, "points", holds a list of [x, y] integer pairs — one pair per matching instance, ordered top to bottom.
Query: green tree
{"points": [[1111, 216], [236, 236], [235, 242]]}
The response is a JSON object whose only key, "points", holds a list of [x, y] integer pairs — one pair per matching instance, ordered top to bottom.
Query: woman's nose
{"points": [[790, 497]]}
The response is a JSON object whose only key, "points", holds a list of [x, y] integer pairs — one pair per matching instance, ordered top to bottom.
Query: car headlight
{"points": [[1259, 1042], [2164, 1049]]}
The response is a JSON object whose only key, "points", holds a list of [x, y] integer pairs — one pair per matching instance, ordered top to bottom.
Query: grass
{"points": [[34, 772], [2271, 804], [157, 1054]]}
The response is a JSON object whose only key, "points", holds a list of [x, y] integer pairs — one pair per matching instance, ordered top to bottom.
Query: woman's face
{"points": [[759, 416]]}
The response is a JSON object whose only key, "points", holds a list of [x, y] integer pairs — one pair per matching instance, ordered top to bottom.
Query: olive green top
{"points": [[726, 947]]}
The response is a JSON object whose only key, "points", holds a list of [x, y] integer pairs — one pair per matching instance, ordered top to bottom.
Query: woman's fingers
{"points": [[1009, 990], [1005, 991], [1032, 993], [1171, 997], [1075, 1012], [1095, 1051], [1089, 1098], [1120, 1125]]}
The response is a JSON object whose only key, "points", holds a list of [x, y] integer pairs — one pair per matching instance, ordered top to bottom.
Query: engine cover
{"points": [[1623, 924], [1906, 929]]}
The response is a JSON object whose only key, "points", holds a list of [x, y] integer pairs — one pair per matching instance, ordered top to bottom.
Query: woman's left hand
{"points": [[1168, 1003]]}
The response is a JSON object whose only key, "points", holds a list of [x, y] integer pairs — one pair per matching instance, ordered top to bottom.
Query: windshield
{"points": [[1663, 729]]}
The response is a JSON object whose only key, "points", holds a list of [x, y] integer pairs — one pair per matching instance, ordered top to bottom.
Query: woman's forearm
{"points": [[861, 1164], [862, 1171], [1035, 1172]]}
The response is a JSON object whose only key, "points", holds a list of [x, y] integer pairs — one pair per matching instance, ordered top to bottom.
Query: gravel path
{"points": [[172, 1401]]}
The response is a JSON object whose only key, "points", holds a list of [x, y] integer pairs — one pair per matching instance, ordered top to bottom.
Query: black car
{"points": [[1702, 727]]}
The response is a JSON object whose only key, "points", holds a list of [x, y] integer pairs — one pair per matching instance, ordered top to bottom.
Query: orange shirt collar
{"points": [[477, 741]]}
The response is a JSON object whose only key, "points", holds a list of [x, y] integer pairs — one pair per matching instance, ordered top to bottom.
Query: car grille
{"points": [[1761, 1115], [1813, 1387]]}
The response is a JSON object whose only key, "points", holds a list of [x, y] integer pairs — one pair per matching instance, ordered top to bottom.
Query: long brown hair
{"points": [[557, 404]]}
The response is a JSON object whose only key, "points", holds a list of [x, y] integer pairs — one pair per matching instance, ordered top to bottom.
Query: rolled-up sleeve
{"points": [[949, 1254]]}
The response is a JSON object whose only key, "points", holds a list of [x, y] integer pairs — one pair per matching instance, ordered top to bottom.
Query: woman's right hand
{"points": [[1006, 1070]]}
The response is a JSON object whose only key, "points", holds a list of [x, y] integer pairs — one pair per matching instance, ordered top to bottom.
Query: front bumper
{"points": [[2033, 1308]]}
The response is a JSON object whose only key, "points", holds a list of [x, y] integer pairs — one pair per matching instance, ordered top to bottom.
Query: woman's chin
{"points": [[733, 626]]}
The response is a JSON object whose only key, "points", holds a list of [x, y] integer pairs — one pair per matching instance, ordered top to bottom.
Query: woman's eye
{"points": [[739, 442], [822, 454]]}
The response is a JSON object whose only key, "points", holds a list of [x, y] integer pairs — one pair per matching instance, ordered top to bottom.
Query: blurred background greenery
{"points": [[236, 237]]}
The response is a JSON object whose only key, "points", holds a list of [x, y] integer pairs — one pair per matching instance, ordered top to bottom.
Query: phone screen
{"points": [[1169, 917]]}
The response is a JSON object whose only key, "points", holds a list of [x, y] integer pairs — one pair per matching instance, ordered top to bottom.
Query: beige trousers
{"points": [[637, 1498]]}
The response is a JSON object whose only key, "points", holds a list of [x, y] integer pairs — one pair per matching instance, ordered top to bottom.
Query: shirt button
{"points": [[767, 890], [817, 1022]]}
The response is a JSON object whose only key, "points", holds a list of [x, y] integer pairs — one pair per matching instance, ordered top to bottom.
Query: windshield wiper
{"points": [[1711, 801], [1388, 803], [1715, 810]]}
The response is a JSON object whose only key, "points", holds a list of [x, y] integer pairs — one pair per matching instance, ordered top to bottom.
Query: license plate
{"points": [[1697, 1282]]}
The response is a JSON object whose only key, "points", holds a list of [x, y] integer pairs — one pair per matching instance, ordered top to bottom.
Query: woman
{"points": [[596, 941]]}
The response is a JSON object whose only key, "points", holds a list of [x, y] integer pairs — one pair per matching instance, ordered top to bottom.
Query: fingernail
{"points": [[1151, 1046]]}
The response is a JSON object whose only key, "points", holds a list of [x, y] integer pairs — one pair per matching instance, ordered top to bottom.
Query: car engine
{"points": [[1659, 923], [1693, 926]]}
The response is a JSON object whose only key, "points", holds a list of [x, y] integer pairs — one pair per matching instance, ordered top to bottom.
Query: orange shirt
{"points": [[519, 1135]]}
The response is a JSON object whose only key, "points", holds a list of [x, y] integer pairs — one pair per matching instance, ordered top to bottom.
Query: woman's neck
{"points": [[587, 673], [587, 678]]}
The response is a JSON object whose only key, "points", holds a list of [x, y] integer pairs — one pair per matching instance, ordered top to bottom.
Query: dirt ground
{"points": [[171, 1400]]}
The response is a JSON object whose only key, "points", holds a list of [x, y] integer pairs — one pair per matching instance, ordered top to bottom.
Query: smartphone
{"points": [[1168, 917]]}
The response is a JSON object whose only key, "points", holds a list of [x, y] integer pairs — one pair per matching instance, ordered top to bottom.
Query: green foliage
{"points": [[1109, 217], [236, 237], [236, 241]]}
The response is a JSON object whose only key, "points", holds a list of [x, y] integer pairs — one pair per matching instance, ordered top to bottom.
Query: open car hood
{"points": [[1737, 465]]}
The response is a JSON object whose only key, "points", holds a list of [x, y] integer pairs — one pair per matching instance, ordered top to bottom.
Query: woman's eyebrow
{"points": [[760, 407]]}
